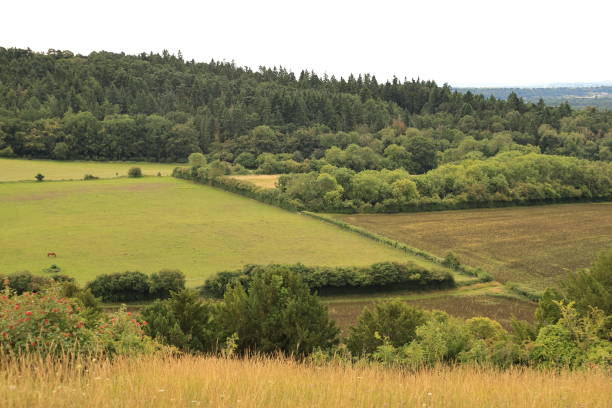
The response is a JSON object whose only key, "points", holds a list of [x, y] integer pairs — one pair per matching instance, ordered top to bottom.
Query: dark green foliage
{"points": [[134, 172], [39, 177], [90, 177], [53, 269], [339, 280], [25, 281], [164, 282], [136, 286], [121, 287], [276, 313], [184, 320], [391, 321]]}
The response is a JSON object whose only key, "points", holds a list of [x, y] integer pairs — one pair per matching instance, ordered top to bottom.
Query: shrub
{"points": [[135, 172], [39, 177], [90, 177], [53, 269], [332, 280], [25, 281], [166, 281], [121, 287], [276, 313], [184, 321], [393, 321], [443, 338]]}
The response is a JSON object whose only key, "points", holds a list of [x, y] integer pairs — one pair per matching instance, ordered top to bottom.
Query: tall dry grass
{"points": [[259, 382]]}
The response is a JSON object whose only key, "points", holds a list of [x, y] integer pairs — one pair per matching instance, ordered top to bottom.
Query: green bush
{"points": [[134, 172], [39, 177], [90, 177], [335, 280], [25, 281], [166, 281], [121, 287], [276, 313], [184, 321], [393, 321]]}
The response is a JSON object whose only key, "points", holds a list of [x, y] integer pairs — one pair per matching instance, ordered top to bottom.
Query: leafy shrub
{"points": [[196, 160], [134, 172], [39, 177], [90, 177], [451, 261], [53, 269], [331, 280], [25, 281], [166, 281], [121, 287], [276, 313], [184, 321], [393, 321]]}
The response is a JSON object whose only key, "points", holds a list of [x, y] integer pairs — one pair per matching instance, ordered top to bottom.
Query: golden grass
{"points": [[261, 180], [535, 245], [214, 382]]}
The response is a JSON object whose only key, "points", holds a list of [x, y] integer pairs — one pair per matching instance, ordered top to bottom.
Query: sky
{"points": [[461, 42]]}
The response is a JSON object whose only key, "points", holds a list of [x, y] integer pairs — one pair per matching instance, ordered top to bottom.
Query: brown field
{"points": [[261, 180], [534, 246], [489, 299], [192, 381]]}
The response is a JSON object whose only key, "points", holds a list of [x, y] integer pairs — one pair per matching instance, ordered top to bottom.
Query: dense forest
{"points": [[108, 106]]}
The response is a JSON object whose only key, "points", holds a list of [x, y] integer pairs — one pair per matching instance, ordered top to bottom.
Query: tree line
{"points": [[159, 107]]}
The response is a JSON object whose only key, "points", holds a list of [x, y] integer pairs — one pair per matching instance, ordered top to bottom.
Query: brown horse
{"points": [[51, 254]]}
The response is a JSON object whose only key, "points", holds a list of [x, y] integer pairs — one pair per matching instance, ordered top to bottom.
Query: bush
{"points": [[196, 160], [135, 172], [39, 177], [90, 177], [52, 269], [334, 280], [24, 281], [166, 281], [121, 287], [276, 313], [184, 321], [393, 321], [51, 324]]}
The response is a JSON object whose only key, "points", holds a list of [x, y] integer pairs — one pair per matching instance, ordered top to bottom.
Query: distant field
{"points": [[17, 169], [261, 180], [147, 224], [531, 245], [489, 299]]}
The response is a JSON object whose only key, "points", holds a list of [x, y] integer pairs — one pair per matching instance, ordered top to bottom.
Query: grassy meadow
{"points": [[19, 170], [146, 224], [533, 245], [258, 382]]}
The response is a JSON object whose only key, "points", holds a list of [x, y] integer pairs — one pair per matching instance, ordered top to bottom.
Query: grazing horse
{"points": [[51, 254]]}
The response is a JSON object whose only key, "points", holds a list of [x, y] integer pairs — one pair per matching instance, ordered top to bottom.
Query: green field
{"points": [[17, 169], [151, 223], [534, 246]]}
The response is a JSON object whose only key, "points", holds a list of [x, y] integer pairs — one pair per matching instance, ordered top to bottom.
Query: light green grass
{"points": [[18, 170], [146, 224]]}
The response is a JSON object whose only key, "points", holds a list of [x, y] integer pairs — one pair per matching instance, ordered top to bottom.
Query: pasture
{"points": [[19, 170], [261, 180], [104, 226], [535, 246]]}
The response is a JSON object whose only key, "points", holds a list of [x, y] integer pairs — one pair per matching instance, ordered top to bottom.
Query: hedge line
{"points": [[244, 188], [449, 262], [339, 280], [135, 286]]}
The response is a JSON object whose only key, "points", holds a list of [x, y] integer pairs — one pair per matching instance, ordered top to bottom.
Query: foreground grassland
{"points": [[17, 170], [261, 180], [104, 226], [535, 246], [213, 382]]}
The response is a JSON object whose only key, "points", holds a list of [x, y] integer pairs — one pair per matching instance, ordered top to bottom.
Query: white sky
{"points": [[461, 42]]}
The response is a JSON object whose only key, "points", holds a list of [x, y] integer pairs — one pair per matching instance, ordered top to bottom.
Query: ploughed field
{"points": [[18, 169], [146, 224], [534, 246]]}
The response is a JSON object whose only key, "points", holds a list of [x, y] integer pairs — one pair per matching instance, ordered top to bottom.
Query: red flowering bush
{"points": [[47, 323]]}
